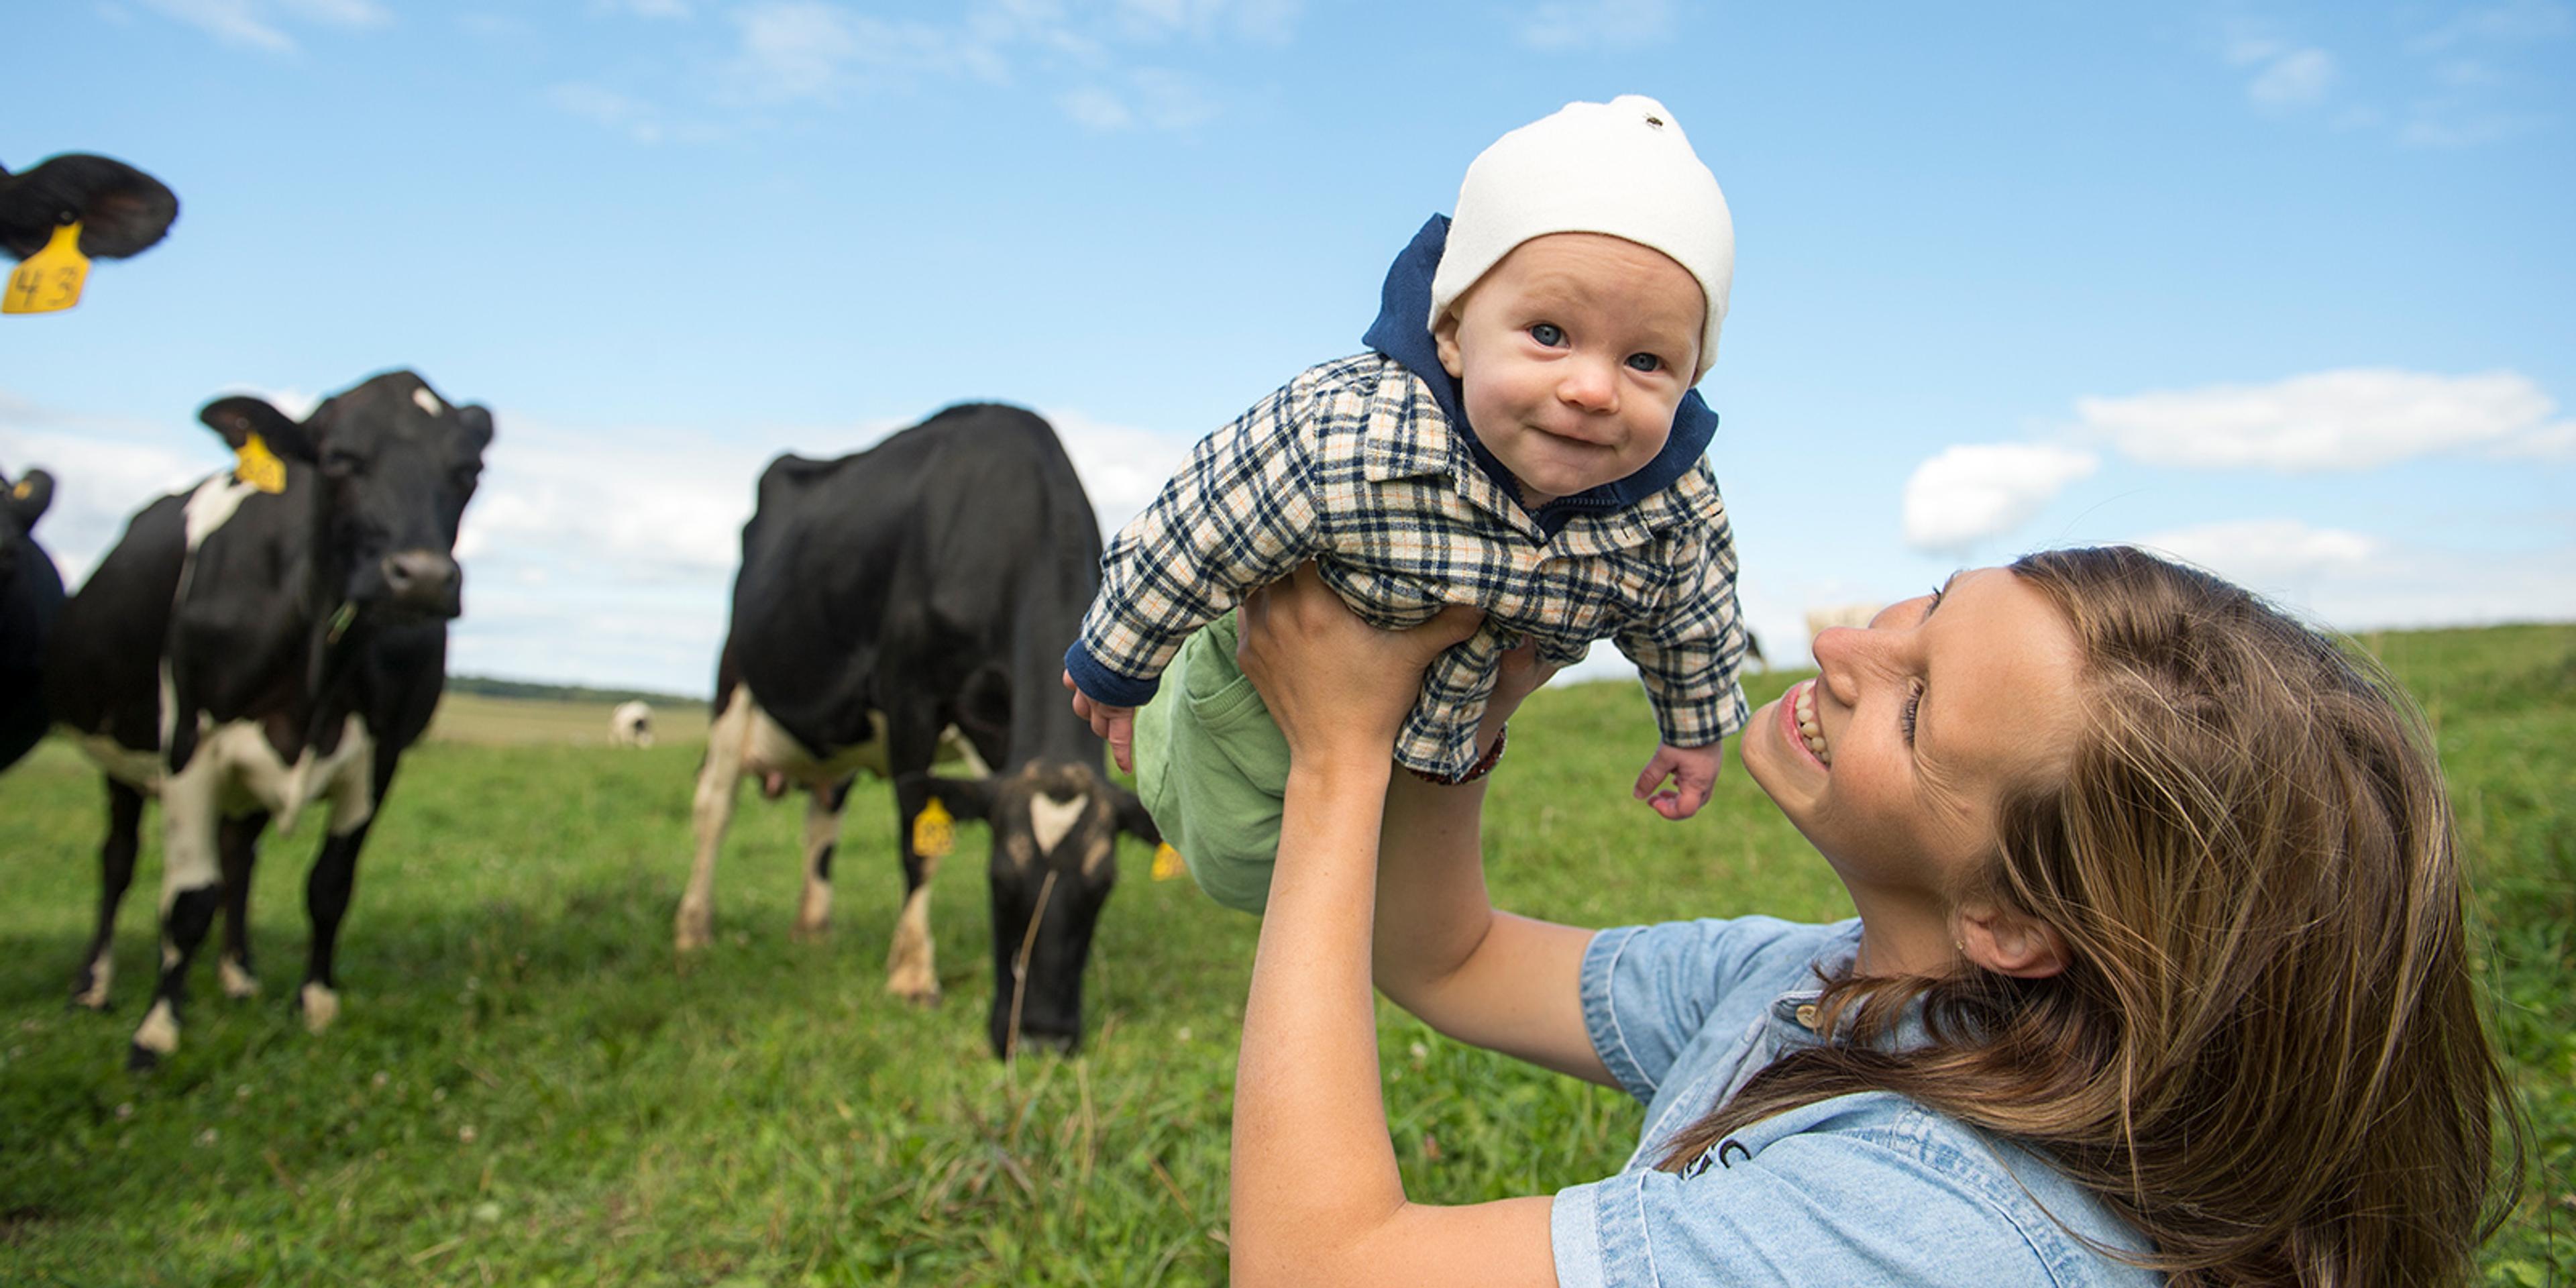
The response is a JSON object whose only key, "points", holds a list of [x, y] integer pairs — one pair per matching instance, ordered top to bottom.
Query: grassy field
{"points": [[525, 1088]]}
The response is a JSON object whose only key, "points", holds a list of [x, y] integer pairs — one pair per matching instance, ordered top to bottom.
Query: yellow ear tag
{"points": [[49, 281], [259, 466], [21, 492], [934, 832], [1167, 863]]}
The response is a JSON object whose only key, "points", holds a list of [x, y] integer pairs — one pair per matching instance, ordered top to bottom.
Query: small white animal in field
{"points": [[1820, 620], [631, 725]]}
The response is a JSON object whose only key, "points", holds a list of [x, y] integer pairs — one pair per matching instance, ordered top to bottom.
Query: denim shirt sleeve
{"points": [[1649, 991]]}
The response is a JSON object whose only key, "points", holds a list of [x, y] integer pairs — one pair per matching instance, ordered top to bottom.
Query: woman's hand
{"points": [[1336, 685]]}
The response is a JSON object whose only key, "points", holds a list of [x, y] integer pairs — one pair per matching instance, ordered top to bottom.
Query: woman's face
{"points": [[1894, 759]]}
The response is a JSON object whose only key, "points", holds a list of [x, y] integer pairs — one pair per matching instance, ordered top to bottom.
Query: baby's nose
{"points": [[1590, 385]]}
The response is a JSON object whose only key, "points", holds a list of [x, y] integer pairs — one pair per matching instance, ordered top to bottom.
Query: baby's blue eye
{"points": [[1547, 333], [1645, 362]]}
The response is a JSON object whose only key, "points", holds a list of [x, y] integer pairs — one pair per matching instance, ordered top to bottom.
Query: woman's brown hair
{"points": [[2265, 1052]]}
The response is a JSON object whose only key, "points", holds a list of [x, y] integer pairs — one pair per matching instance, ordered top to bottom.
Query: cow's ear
{"points": [[238, 417], [478, 422], [28, 497], [964, 797], [1132, 818]]}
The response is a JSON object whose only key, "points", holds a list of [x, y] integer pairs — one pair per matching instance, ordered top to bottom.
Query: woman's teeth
{"points": [[1808, 729]]}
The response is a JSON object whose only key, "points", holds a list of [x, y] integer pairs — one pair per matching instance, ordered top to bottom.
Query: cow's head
{"points": [[121, 210], [397, 465], [21, 504], [1055, 856]]}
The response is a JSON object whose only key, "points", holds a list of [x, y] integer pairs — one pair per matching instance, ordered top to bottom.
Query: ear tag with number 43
{"points": [[50, 280], [259, 467], [934, 831]]}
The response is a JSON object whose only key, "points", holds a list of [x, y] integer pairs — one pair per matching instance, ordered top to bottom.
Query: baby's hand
{"points": [[1117, 724], [1693, 771]]}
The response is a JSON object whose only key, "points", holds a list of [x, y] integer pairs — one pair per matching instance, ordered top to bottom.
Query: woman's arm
{"points": [[1491, 979], [1316, 1195]]}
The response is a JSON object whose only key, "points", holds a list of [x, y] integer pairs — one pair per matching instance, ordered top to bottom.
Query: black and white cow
{"points": [[121, 210], [932, 580], [31, 597], [247, 654]]}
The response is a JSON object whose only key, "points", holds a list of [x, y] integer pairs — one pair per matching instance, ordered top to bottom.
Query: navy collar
{"points": [[1402, 331]]}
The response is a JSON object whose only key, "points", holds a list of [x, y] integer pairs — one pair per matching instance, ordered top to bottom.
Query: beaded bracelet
{"points": [[1484, 764]]}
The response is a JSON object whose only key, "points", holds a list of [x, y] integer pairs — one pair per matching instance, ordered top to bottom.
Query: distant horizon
{"points": [[1804, 663]]}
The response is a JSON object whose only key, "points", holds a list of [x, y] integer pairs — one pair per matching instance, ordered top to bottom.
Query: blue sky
{"points": [[2284, 288]]}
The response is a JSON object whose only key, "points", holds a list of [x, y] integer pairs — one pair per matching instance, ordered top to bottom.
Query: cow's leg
{"points": [[719, 778], [356, 794], [822, 832], [237, 841], [116, 872], [191, 889], [326, 902], [911, 972]]}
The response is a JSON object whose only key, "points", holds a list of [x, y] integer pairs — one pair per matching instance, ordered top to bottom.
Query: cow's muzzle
{"points": [[425, 582]]}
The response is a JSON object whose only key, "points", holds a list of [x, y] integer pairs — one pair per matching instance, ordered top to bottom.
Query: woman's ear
{"points": [[2010, 943]]}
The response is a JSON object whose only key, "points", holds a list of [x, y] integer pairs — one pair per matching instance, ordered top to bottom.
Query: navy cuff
{"points": [[1100, 684]]}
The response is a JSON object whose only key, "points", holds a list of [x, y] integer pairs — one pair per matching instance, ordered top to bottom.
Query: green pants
{"points": [[1212, 769]]}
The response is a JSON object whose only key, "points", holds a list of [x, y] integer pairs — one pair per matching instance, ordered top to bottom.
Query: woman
{"points": [[2158, 971]]}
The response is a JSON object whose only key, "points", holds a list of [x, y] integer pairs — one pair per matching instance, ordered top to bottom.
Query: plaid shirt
{"points": [[1355, 466]]}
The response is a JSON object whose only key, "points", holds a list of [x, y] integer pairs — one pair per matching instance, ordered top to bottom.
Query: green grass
{"points": [[768, 1116]]}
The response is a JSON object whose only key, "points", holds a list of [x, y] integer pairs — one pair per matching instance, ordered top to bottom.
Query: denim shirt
{"points": [[1859, 1189]]}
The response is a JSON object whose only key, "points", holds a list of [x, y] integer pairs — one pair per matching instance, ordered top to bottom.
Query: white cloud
{"points": [[665, 9], [341, 13], [1265, 20], [2515, 22], [260, 24], [1594, 24], [805, 50], [818, 51], [2294, 79], [2457, 86], [1152, 98], [1096, 109], [632, 117], [2332, 420], [1121, 466], [104, 470], [1979, 490], [630, 506], [2265, 552], [608, 555], [2354, 582]]}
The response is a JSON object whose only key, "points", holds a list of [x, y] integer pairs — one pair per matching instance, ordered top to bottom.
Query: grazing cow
{"points": [[931, 580], [31, 597], [271, 639], [631, 724]]}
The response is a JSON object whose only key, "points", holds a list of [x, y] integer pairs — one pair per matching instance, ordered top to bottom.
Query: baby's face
{"points": [[1574, 353]]}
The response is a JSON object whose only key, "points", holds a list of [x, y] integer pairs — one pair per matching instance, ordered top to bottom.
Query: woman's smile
{"points": [[1798, 716]]}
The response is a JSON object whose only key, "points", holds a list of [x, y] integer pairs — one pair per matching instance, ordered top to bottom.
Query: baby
{"points": [[1523, 437]]}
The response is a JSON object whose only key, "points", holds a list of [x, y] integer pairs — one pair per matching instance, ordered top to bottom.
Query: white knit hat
{"points": [[1621, 168]]}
